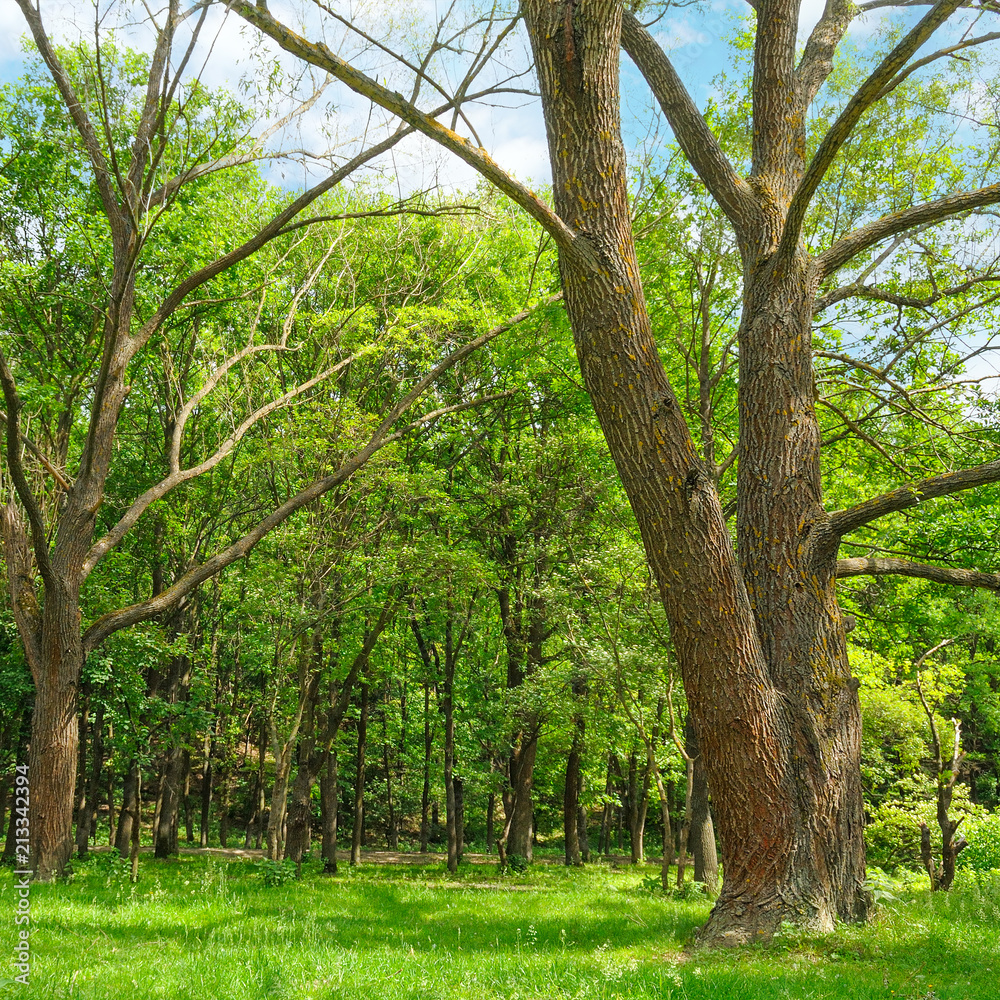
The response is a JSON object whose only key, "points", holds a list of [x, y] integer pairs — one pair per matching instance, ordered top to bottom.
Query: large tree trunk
{"points": [[789, 564], [779, 723], [55, 736]]}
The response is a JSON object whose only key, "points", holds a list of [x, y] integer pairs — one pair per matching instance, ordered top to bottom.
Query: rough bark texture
{"points": [[779, 721], [359, 780], [328, 812], [702, 835]]}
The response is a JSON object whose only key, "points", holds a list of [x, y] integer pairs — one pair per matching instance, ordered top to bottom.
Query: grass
{"points": [[202, 928]]}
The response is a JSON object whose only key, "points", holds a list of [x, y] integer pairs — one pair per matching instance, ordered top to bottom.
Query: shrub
{"points": [[983, 835], [276, 872]]}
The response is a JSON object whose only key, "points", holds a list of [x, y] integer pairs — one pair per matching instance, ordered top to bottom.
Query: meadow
{"points": [[202, 927]]}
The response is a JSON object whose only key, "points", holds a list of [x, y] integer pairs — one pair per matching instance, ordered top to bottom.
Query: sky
{"points": [[513, 132], [514, 135]]}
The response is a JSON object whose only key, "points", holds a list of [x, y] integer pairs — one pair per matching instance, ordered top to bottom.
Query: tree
{"points": [[143, 139], [760, 640]]}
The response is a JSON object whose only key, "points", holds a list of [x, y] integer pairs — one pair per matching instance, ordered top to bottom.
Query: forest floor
{"points": [[207, 928]]}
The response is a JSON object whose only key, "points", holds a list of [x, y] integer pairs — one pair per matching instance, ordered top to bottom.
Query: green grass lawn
{"points": [[211, 930]]}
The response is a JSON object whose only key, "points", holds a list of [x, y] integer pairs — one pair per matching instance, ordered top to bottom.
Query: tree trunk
{"points": [[448, 708], [55, 737], [522, 767], [786, 778], [207, 779], [359, 780], [171, 788], [425, 795], [571, 797], [186, 798], [491, 805], [224, 808], [328, 808], [638, 809], [88, 811], [607, 812], [129, 815], [276, 815], [459, 816], [112, 829], [391, 833], [702, 835], [583, 838], [682, 845]]}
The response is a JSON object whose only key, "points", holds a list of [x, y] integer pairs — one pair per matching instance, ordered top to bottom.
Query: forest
{"points": [[503, 586]]}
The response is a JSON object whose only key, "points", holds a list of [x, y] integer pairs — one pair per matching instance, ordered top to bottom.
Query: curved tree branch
{"points": [[695, 138], [891, 225], [568, 240], [843, 521], [881, 566], [143, 610]]}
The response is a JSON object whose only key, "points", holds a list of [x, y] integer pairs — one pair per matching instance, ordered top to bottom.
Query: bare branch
{"points": [[934, 56], [864, 97], [693, 134], [102, 173], [899, 222], [276, 227], [567, 239], [40, 455], [178, 476], [843, 521], [880, 566], [196, 575]]}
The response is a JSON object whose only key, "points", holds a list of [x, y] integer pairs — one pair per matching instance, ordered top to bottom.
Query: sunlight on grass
{"points": [[196, 928]]}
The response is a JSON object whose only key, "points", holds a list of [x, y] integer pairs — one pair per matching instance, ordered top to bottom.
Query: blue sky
{"points": [[694, 35]]}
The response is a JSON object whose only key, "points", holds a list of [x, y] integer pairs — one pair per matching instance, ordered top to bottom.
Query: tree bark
{"points": [[779, 721], [522, 769], [207, 780], [359, 780], [171, 787], [425, 795], [328, 798], [571, 802], [128, 817], [86, 825], [702, 835]]}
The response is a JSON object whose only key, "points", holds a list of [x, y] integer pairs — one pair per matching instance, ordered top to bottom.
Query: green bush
{"points": [[983, 835], [892, 836], [276, 872]]}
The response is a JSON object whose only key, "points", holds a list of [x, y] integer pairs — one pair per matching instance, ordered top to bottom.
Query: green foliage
{"points": [[983, 850], [275, 873]]}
